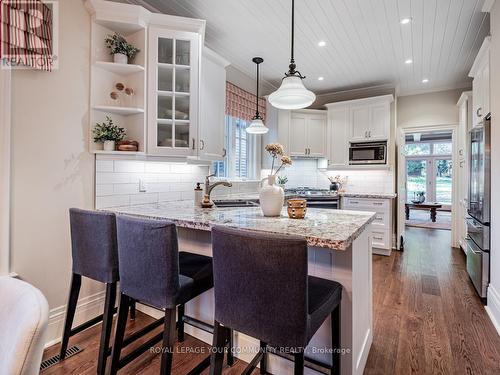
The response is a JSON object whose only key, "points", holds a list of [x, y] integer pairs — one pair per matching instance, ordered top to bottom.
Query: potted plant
{"points": [[121, 50], [108, 133], [272, 196]]}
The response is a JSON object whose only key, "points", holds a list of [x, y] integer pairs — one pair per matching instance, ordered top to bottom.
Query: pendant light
{"points": [[292, 93], [257, 125]]}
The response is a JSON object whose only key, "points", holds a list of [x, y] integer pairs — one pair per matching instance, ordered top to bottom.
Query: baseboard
{"points": [[88, 307], [493, 307]]}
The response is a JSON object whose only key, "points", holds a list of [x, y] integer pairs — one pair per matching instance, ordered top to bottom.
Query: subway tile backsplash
{"points": [[118, 182]]}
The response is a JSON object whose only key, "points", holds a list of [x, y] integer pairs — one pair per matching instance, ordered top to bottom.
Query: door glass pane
{"points": [[165, 50], [182, 51], [165, 78], [182, 79], [165, 107], [182, 107], [164, 135], [182, 135], [442, 148], [413, 149], [416, 178], [443, 180]]}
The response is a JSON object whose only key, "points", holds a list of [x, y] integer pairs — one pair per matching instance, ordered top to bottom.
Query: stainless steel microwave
{"points": [[368, 153]]}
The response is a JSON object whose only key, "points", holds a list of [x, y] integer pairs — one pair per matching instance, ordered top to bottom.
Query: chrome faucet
{"points": [[209, 188]]}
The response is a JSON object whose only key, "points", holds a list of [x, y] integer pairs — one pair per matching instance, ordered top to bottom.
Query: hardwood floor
{"points": [[428, 320]]}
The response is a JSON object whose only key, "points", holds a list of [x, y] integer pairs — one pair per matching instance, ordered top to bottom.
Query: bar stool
{"points": [[95, 255], [153, 272], [262, 289]]}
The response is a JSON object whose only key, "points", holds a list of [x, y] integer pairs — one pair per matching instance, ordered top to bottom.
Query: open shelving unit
{"points": [[128, 111]]}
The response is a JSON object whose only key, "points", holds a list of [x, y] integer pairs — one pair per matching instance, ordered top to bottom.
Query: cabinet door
{"points": [[173, 95], [477, 99], [212, 110], [360, 119], [379, 125], [338, 128], [298, 134], [316, 136]]}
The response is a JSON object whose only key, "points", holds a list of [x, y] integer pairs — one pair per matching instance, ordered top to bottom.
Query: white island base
{"points": [[352, 268]]}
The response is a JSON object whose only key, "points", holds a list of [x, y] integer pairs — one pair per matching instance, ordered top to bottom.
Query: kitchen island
{"points": [[339, 249]]}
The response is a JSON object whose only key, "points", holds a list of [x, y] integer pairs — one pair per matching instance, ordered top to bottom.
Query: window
{"points": [[241, 149], [417, 149]]}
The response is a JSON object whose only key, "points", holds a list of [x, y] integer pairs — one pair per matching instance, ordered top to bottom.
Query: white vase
{"points": [[120, 58], [109, 145], [271, 197]]}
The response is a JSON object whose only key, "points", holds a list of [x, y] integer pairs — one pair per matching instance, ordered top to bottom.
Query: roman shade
{"points": [[26, 34], [241, 103]]}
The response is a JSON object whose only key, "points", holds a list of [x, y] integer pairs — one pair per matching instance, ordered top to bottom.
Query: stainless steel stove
{"points": [[316, 198]]}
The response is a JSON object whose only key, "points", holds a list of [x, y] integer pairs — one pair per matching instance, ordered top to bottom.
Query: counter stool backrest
{"points": [[93, 244], [149, 260], [260, 283]]}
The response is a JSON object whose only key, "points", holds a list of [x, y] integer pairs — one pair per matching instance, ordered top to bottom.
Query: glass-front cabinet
{"points": [[173, 101]]}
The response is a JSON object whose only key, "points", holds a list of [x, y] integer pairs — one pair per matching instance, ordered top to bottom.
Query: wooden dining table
{"points": [[432, 207]]}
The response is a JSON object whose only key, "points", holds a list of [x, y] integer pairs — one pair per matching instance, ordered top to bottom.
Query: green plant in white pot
{"points": [[121, 50], [108, 134]]}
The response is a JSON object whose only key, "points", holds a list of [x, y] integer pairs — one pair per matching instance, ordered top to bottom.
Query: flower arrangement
{"points": [[118, 44], [107, 131], [277, 152], [339, 179]]}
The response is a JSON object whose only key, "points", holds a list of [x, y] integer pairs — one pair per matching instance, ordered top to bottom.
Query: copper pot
{"points": [[297, 208]]}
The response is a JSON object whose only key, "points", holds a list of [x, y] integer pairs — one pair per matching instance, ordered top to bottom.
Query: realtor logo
{"points": [[28, 34]]}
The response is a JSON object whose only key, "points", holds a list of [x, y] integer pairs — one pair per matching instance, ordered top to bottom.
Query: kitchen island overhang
{"points": [[339, 249]]}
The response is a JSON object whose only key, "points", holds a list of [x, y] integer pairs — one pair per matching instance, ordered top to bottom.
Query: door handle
{"points": [[369, 134], [194, 144], [202, 144], [224, 152]]}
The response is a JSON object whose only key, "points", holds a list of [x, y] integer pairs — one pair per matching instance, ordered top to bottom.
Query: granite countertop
{"points": [[369, 195], [332, 229]]}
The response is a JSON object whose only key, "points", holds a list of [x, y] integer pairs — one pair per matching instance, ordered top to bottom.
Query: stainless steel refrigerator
{"points": [[478, 220]]}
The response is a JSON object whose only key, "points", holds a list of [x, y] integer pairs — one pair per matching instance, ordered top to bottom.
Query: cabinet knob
{"points": [[478, 112]]}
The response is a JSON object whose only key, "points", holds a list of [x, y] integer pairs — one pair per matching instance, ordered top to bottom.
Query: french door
{"points": [[432, 176]]}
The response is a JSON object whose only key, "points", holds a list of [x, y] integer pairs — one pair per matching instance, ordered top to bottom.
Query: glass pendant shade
{"points": [[292, 94], [257, 127]]}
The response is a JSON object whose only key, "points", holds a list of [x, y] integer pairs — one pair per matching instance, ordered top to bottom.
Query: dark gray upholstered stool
{"points": [[95, 255], [153, 272], [262, 289]]}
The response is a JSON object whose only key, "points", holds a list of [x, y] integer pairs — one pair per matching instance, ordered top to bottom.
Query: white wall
{"points": [[435, 108], [51, 168], [494, 288]]}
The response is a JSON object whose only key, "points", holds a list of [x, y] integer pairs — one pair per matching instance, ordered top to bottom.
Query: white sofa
{"points": [[24, 315]]}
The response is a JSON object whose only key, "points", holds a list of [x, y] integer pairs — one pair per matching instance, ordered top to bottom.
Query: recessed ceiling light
{"points": [[405, 21], [321, 43], [409, 61], [321, 78], [425, 80]]}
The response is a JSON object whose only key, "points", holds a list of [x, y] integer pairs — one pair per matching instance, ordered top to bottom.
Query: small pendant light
{"points": [[292, 93], [257, 125]]}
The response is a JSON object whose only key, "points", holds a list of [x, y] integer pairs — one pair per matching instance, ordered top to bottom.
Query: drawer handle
{"points": [[353, 202], [378, 203], [378, 238]]}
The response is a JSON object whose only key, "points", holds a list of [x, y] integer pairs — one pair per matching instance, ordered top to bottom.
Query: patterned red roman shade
{"points": [[26, 33], [241, 103]]}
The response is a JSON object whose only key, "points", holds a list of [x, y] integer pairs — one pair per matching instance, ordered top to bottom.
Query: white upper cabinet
{"points": [[480, 72], [173, 95], [212, 106], [362, 120], [370, 120], [303, 132]]}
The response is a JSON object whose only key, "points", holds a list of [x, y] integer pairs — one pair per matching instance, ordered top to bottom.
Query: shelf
{"points": [[120, 69], [125, 111], [102, 152]]}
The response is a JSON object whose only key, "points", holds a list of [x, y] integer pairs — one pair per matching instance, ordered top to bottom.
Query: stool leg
{"points": [[76, 282], [132, 309], [180, 322], [107, 323], [121, 323], [336, 341], [168, 342], [230, 353], [217, 356], [263, 360], [299, 363]]}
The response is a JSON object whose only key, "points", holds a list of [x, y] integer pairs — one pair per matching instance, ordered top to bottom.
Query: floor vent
{"points": [[54, 360]]}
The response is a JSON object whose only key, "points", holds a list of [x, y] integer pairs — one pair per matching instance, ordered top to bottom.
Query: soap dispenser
{"points": [[198, 195]]}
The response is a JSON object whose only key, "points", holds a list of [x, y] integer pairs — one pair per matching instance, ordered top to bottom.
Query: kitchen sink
{"points": [[235, 203]]}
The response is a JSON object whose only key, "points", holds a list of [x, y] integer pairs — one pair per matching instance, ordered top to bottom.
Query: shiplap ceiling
{"points": [[366, 44]]}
